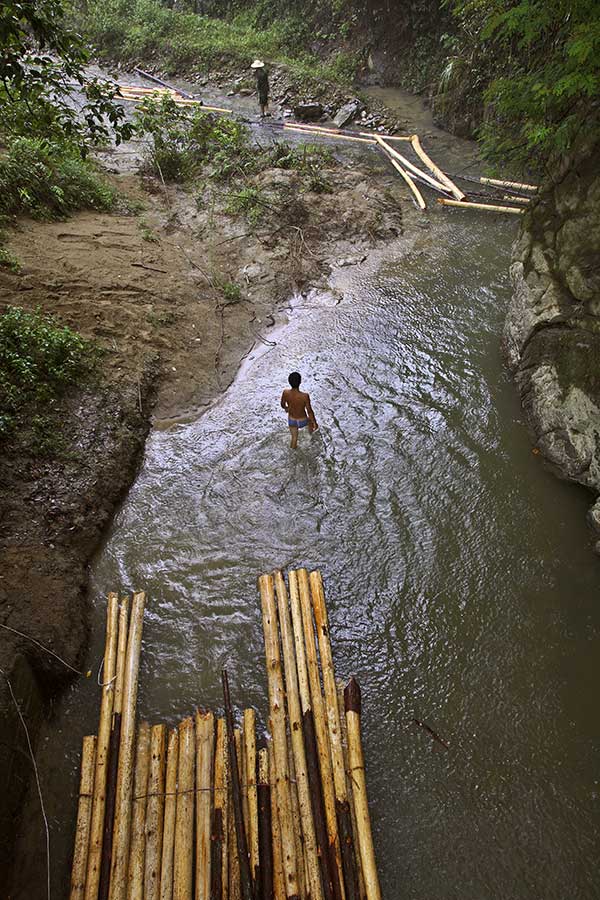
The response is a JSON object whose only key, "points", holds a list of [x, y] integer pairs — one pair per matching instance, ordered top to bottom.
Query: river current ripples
{"points": [[460, 585]]}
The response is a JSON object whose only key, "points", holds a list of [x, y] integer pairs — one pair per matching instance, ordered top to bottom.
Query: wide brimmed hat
{"points": [[257, 64]]}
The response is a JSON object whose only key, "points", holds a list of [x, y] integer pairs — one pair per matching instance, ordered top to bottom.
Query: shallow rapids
{"points": [[460, 584]]}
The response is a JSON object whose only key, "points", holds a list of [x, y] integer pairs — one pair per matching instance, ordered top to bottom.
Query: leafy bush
{"points": [[539, 62], [41, 66], [182, 141], [48, 179], [39, 358]]}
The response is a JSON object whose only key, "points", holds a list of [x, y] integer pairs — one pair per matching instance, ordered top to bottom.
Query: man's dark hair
{"points": [[294, 379]]}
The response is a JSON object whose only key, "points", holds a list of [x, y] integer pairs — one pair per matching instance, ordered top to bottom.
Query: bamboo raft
{"points": [[211, 810]]}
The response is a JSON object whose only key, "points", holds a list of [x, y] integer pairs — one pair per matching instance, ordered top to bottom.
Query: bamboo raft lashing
{"points": [[208, 815]]}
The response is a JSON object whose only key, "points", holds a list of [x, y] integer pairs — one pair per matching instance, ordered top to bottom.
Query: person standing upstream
{"points": [[262, 85], [297, 405]]}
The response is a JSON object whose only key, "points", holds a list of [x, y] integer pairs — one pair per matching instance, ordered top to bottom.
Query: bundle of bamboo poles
{"points": [[202, 811]]}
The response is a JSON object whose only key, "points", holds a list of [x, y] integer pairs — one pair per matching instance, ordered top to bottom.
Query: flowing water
{"points": [[460, 584]]}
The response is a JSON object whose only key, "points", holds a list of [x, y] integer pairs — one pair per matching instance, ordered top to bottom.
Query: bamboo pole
{"points": [[132, 96], [324, 134], [387, 137], [406, 164], [441, 176], [509, 184], [415, 190], [514, 198], [486, 206], [352, 705], [277, 716], [205, 732], [321, 732], [249, 733], [335, 736], [115, 740], [234, 745], [102, 751], [155, 812], [305, 813], [84, 818], [121, 830], [216, 837], [265, 841], [168, 843], [183, 852], [328, 868], [135, 874], [225, 879], [361, 882], [303, 889], [235, 890], [279, 892]]}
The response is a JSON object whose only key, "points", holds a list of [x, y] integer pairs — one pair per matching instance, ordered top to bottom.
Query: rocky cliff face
{"points": [[552, 332]]}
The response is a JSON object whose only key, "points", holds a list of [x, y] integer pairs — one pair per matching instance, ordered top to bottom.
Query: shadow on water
{"points": [[461, 587]]}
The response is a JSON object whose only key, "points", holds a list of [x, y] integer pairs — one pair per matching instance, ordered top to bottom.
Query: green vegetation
{"points": [[146, 29], [41, 60], [538, 62], [191, 147], [45, 179], [250, 202], [9, 261], [39, 359]]}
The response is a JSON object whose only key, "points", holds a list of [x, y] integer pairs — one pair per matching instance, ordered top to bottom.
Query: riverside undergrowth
{"points": [[134, 30], [39, 359]]}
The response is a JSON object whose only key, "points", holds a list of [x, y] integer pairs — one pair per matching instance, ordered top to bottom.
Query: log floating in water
{"points": [[441, 176], [509, 184], [489, 207], [352, 703], [205, 731], [278, 732], [249, 733], [335, 737], [102, 751], [113, 761], [155, 812], [84, 818], [122, 826], [265, 846], [183, 851], [166, 866], [135, 872], [246, 885]]}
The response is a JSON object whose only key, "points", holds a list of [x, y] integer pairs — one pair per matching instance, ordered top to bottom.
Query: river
{"points": [[460, 583]]}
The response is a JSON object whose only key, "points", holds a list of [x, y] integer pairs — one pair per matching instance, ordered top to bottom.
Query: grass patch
{"points": [[147, 30], [39, 359]]}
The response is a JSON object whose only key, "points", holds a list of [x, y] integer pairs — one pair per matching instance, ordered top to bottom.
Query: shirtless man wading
{"points": [[297, 405]]}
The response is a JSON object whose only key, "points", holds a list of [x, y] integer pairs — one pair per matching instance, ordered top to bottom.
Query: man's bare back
{"points": [[297, 405]]}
